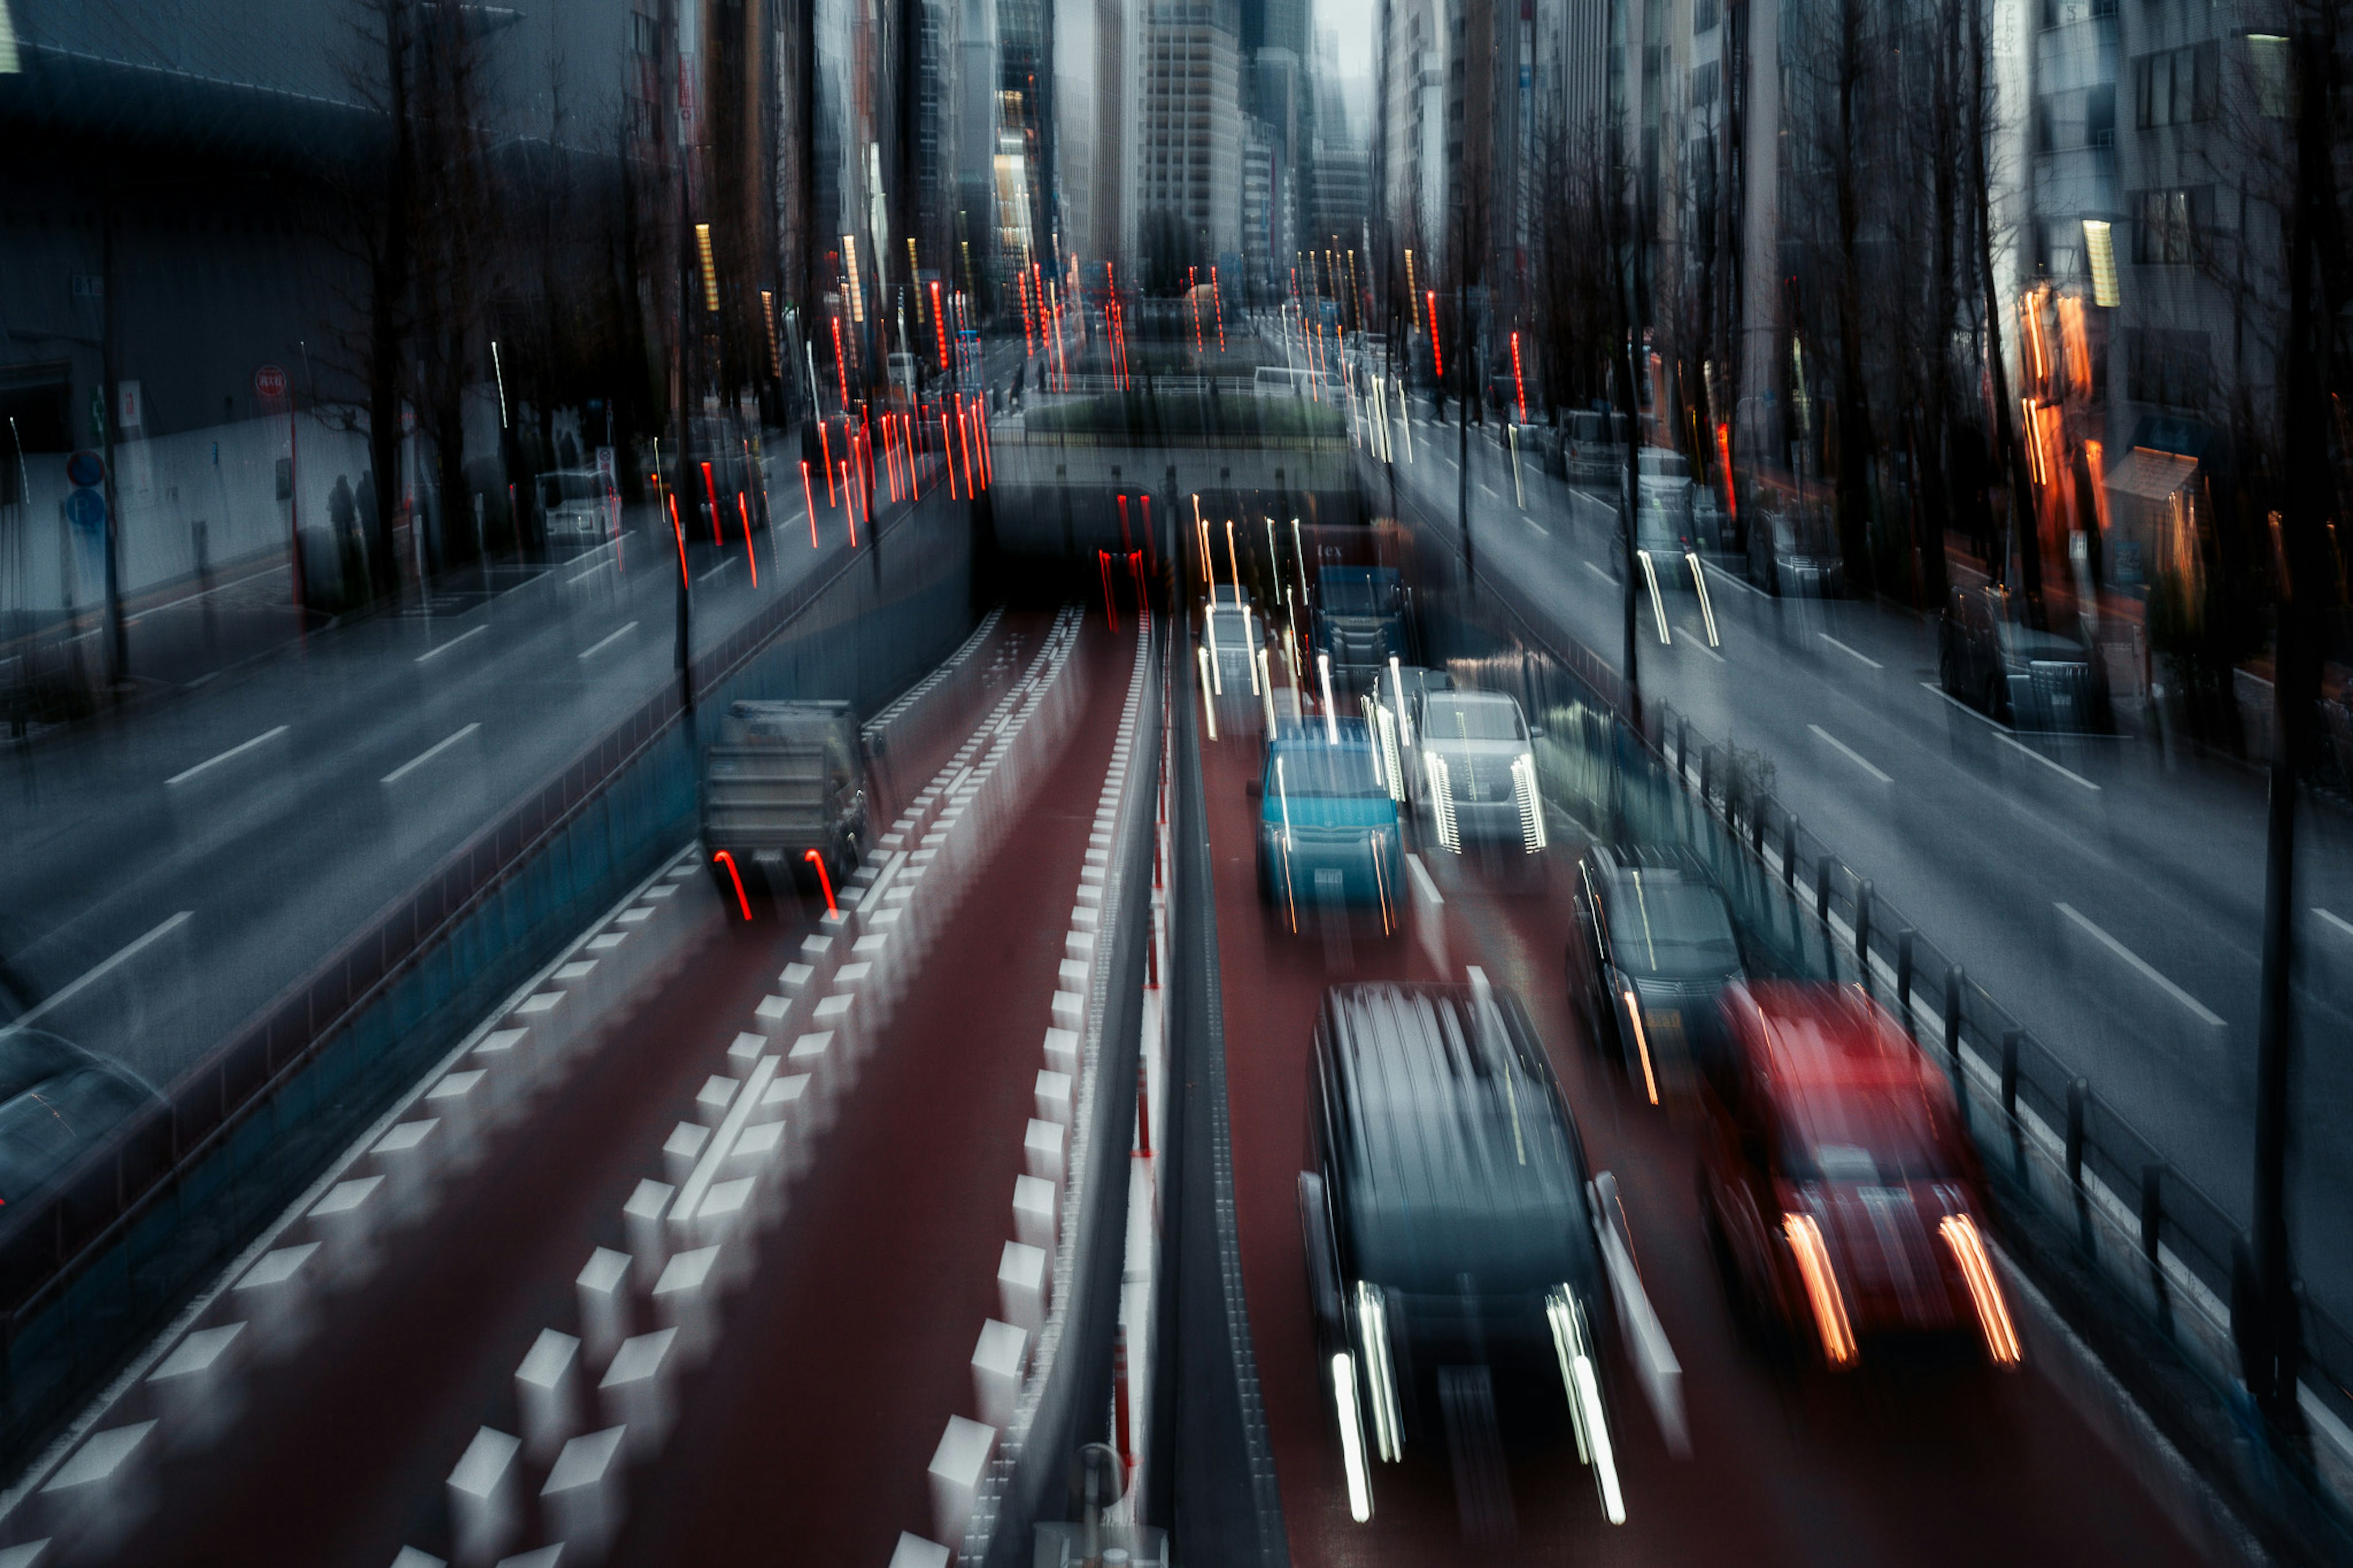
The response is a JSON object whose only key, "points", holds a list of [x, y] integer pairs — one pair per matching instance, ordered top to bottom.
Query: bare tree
{"points": [[453, 180], [379, 212]]}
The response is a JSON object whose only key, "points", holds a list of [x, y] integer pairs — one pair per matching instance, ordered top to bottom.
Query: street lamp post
{"points": [[1465, 339]]}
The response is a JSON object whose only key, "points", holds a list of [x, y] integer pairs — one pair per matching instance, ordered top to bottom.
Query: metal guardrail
{"points": [[2048, 1137], [92, 1266]]}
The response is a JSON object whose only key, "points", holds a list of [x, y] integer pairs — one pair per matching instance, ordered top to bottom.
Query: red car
{"points": [[1840, 1190]]}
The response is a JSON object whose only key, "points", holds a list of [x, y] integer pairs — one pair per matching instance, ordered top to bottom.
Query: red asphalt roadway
{"points": [[812, 1423], [1785, 1469]]}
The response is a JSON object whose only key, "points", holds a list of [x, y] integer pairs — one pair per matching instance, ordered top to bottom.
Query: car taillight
{"points": [[1960, 1234], [1822, 1287]]}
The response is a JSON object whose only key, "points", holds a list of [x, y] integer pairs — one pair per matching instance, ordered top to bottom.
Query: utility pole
{"points": [[1626, 247], [1463, 335], [689, 390], [118, 644], [2265, 1319]]}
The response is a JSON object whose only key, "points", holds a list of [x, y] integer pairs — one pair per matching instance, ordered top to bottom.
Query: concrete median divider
{"points": [[261, 1312], [647, 1314], [1015, 1368]]}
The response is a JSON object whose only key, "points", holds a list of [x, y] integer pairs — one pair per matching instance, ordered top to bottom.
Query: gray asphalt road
{"points": [[251, 826], [2106, 889]]}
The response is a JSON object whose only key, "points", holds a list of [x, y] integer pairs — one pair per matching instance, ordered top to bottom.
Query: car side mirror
{"points": [[1535, 733], [1255, 788]]}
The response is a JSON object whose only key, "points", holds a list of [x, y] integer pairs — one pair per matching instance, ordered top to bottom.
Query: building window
{"points": [[645, 37], [2267, 62], [2175, 86], [2100, 116], [2169, 225], [2167, 369]]}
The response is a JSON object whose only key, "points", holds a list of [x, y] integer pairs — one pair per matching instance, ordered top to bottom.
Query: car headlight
{"points": [[1565, 1316]]}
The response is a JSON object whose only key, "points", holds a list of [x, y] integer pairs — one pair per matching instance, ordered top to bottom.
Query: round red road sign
{"points": [[269, 380]]}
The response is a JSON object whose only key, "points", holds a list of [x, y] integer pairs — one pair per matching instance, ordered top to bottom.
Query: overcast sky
{"points": [[1353, 21]]}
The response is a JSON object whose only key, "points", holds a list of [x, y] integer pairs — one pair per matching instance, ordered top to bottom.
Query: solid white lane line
{"points": [[1539, 527], [715, 572], [1598, 572], [1740, 583], [1694, 641], [453, 642], [603, 643], [1852, 653], [1933, 689], [430, 752], [1850, 754], [2046, 762], [187, 774], [2339, 921], [2142, 967], [97, 976]]}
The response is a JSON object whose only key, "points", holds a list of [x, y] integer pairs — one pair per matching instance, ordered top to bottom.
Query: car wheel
{"points": [[1601, 1028], [1757, 1323]]}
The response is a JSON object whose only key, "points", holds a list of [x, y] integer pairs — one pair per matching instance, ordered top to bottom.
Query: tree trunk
{"points": [[1854, 435], [2007, 448]]}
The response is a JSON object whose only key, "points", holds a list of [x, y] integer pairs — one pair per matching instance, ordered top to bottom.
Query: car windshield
{"points": [[1660, 462], [571, 487], [1359, 595], [1227, 627], [2025, 642], [1458, 719], [1343, 770], [1667, 926], [1862, 1138]]}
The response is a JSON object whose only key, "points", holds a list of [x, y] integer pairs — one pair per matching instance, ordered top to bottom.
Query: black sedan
{"points": [[1987, 658], [1653, 952], [1462, 1269]]}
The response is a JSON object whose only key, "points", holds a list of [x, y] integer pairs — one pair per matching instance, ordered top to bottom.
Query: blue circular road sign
{"points": [[86, 468], [86, 509]]}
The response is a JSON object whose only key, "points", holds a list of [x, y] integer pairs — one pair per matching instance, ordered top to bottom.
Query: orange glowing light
{"points": [[1437, 355], [841, 366], [1519, 386], [947, 446], [825, 447], [710, 496], [808, 501], [743, 511], [680, 534], [824, 881], [741, 901], [1641, 1045], [1960, 1234], [1822, 1287]]}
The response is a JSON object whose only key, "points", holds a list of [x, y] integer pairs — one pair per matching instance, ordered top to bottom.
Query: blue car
{"points": [[1327, 823]]}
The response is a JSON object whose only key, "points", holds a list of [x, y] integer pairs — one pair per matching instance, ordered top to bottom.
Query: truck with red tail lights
{"points": [[784, 798]]}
